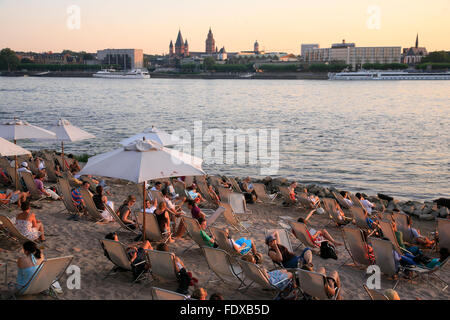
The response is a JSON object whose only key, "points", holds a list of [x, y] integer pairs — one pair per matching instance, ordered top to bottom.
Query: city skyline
{"points": [[44, 26]]}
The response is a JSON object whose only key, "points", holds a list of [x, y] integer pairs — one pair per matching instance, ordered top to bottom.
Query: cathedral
{"points": [[181, 48]]}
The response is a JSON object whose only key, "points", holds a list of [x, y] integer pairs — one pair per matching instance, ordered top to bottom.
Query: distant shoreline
{"points": [[205, 76]]}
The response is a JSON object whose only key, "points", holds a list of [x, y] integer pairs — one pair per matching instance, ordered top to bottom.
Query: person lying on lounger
{"points": [[39, 182], [197, 197], [346, 197], [100, 201], [368, 206], [195, 210], [321, 235], [418, 238], [207, 239], [243, 246], [280, 254]]}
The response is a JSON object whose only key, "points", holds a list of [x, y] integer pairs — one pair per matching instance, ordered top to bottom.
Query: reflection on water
{"points": [[389, 136]]}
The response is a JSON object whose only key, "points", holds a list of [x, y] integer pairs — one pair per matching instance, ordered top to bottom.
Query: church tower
{"points": [[417, 41], [210, 43], [179, 45], [256, 47], [171, 48], [186, 49]]}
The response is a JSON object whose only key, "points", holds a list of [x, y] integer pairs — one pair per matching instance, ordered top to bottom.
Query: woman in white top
{"points": [[27, 224]]}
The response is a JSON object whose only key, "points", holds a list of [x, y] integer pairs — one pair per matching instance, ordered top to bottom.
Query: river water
{"points": [[372, 136]]}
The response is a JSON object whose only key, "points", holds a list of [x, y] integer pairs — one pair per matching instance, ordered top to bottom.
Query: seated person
{"points": [[24, 168], [74, 168], [39, 182], [223, 183], [157, 186], [168, 187], [248, 191], [292, 193], [194, 195], [213, 195], [11, 197], [346, 197], [78, 199], [101, 201], [315, 201], [367, 205], [150, 206], [195, 210], [124, 212], [175, 212], [341, 215], [162, 216], [28, 225], [399, 235], [318, 236], [418, 238], [209, 240], [243, 245], [280, 254], [436, 262], [28, 264], [184, 277], [279, 277], [333, 282], [199, 294]]}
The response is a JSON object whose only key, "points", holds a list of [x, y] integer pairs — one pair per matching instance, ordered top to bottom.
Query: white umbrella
{"points": [[18, 129], [65, 131], [154, 134], [8, 149], [142, 161]]}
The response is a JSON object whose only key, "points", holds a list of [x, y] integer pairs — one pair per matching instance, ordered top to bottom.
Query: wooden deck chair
{"points": [[234, 185], [31, 186], [284, 191], [261, 193], [224, 194], [66, 195], [341, 200], [238, 204], [90, 205], [330, 206], [117, 219], [232, 219], [443, 227], [152, 230], [193, 230], [13, 232], [388, 232], [301, 233], [356, 246], [119, 257], [384, 257], [221, 263], [163, 265], [48, 272], [255, 274], [312, 283], [163, 294], [374, 294]]}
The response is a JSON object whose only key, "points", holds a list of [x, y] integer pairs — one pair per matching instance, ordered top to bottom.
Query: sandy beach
{"points": [[81, 239]]}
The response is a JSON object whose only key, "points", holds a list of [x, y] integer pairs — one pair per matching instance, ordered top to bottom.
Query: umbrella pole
{"points": [[62, 156], [16, 174], [143, 211]]}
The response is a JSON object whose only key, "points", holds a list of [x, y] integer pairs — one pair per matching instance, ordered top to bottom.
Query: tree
{"points": [[437, 56], [8, 60], [208, 63]]}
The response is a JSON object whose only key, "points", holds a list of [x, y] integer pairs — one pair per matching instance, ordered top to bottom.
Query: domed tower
{"points": [[210, 43], [179, 45], [256, 47], [171, 48], [186, 49]]}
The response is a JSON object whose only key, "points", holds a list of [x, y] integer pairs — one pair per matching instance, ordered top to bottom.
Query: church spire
{"points": [[417, 40]]}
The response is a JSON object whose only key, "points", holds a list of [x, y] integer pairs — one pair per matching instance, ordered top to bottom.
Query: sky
{"points": [[281, 25]]}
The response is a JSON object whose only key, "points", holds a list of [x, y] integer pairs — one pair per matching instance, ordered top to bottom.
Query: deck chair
{"points": [[50, 170], [11, 171], [188, 181], [215, 181], [92, 184], [235, 185], [31, 186], [179, 187], [203, 188], [284, 191], [261, 193], [152, 194], [224, 194], [66, 195], [340, 199], [303, 200], [355, 200], [238, 204], [90, 205], [330, 206], [212, 218], [360, 218], [117, 219], [232, 219], [443, 227], [152, 230], [193, 230], [13, 232], [388, 232], [301, 233], [283, 236], [223, 241], [356, 246], [118, 256], [384, 257], [221, 263], [163, 265], [422, 271], [48, 272], [255, 274], [312, 283], [163, 294], [374, 294]]}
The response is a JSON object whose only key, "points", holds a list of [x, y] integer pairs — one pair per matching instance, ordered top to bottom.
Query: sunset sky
{"points": [[281, 25]]}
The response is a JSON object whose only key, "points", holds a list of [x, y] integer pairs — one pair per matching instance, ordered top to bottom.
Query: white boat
{"points": [[113, 74], [389, 75]]}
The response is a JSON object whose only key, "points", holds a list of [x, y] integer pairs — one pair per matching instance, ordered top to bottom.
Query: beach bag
{"points": [[327, 251], [184, 280]]}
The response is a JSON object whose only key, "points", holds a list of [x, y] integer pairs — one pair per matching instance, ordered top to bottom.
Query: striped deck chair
{"points": [[50, 170], [11, 171], [188, 181], [215, 181], [179, 187], [203, 188], [261, 193], [152, 194], [355, 200], [238, 204], [331, 207], [360, 218], [117, 219], [193, 230], [388, 232], [282, 235], [224, 242], [356, 246], [221, 263], [47, 273], [312, 283], [163, 294]]}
